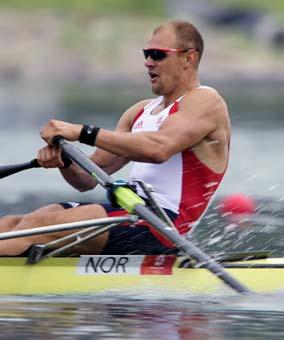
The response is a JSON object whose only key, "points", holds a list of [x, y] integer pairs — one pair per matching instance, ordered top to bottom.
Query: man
{"points": [[179, 143]]}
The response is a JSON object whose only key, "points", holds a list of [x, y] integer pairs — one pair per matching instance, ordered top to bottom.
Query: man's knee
{"points": [[49, 208], [90, 211], [38, 217], [32, 219], [9, 222]]}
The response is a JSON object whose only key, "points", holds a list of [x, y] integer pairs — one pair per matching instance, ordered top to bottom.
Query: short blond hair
{"points": [[187, 35]]}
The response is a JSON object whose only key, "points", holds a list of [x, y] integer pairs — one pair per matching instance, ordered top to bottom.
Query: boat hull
{"points": [[97, 274]]}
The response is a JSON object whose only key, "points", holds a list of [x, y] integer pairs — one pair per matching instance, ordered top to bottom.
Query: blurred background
{"points": [[81, 61]]}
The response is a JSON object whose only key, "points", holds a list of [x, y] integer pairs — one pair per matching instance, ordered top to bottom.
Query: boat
{"points": [[47, 271], [104, 274]]}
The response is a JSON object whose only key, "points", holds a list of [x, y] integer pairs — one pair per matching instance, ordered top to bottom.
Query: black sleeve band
{"points": [[88, 134]]}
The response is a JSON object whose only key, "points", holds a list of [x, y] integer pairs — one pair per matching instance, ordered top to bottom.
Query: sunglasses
{"points": [[158, 54]]}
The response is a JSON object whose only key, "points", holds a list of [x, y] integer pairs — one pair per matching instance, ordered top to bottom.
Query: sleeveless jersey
{"points": [[183, 183]]}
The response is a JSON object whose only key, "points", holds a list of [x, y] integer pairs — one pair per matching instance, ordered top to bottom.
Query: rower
{"points": [[178, 142]]}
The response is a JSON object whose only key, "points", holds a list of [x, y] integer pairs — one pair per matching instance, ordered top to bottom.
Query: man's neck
{"points": [[172, 97]]}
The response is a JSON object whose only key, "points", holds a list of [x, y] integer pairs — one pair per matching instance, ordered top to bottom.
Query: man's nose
{"points": [[149, 62]]}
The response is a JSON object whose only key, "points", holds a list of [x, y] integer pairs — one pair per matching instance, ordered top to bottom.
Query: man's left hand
{"points": [[55, 127]]}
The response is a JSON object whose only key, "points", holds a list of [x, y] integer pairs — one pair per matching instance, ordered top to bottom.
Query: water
{"points": [[256, 169], [128, 317]]}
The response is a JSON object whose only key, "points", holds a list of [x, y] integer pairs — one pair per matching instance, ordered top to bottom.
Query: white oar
{"points": [[132, 203]]}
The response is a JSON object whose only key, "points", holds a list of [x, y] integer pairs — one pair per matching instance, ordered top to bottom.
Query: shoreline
{"points": [[52, 50]]}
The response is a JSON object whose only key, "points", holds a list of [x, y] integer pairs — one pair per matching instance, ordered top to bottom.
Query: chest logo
{"points": [[138, 125]]}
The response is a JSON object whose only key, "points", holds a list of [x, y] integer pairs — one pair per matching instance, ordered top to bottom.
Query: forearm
{"points": [[150, 147], [78, 178], [82, 181]]}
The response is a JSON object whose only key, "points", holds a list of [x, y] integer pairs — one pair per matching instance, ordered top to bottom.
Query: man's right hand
{"points": [[50, 157]]}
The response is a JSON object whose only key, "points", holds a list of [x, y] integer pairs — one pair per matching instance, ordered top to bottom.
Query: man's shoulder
{"points": [[202, 91], [208, 96]]}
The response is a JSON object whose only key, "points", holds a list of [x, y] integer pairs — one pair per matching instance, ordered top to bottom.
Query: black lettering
{"points": [[121, 263], [92, 264], [106, 265], [109, 267]]}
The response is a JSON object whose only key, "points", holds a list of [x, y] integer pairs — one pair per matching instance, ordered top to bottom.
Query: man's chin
{"points": [[157, 90]]}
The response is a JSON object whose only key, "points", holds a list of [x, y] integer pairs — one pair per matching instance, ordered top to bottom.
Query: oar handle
{"points": [[35, 163], [7, 170]]}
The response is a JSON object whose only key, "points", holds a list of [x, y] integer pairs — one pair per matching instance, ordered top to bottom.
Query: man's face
{"points": [[164, 74]]}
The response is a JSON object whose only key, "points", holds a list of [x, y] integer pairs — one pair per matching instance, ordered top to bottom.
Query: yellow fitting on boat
{"points": [[127, 199]]}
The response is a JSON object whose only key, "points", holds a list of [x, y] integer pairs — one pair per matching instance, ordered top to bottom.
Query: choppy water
{"points": [[256, 168], [142, 317]]}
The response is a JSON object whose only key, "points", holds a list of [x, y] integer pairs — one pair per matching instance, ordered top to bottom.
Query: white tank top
{"points": [[165, 178], [183, 183]]}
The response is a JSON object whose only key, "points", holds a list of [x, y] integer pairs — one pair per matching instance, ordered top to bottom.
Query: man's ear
{"points": [[191, 58]]}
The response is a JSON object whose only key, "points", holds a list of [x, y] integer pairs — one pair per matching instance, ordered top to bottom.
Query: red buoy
{"points": [[237, 205]]}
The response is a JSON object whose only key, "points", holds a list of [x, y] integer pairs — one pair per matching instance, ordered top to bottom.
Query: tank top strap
{"points": [[152, 104], [174, 106]]}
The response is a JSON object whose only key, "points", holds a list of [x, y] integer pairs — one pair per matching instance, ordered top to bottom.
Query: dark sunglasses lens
{"points": [[155, 54]]}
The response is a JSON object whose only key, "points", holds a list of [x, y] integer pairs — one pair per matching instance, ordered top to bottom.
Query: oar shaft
{"points": [[84, 162]]}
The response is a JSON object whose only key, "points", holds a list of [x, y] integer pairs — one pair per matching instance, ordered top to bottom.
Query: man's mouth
{"points": [[153, 76]]}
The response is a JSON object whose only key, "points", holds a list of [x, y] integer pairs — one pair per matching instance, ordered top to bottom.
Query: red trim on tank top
{"points": [[174, 108], [137, 116], [199, 183], [193, 188]]}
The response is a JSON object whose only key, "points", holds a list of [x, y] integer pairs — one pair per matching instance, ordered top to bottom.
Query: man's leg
{"points": [[54, 214], [8, 223]]}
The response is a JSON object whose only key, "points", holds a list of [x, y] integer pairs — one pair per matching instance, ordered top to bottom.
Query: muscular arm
{"points": [[201, 115]]}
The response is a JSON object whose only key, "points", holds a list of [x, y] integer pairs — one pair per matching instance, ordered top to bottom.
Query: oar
{"points": [[7, 170], [132, 203]]}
